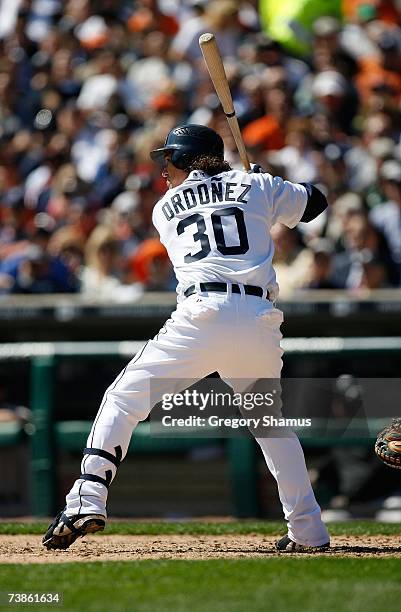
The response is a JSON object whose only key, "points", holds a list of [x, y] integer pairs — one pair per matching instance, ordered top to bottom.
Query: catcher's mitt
{"points": [[388, 444]]}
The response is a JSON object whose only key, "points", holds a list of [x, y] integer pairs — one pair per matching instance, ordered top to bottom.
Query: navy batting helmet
{"points": [[187, 142]]}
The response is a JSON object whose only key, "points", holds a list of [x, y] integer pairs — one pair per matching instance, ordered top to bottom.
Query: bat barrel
{"points": [[215, 66]]}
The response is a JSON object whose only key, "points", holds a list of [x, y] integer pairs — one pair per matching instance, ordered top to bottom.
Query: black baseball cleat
{"points": [[64, 530], [286, 545]]}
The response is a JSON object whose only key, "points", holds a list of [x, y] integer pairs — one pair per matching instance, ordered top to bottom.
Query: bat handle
{"points": [[233, 123]]}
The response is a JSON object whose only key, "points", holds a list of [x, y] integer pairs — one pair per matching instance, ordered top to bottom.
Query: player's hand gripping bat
{"points": [[214, 63]]}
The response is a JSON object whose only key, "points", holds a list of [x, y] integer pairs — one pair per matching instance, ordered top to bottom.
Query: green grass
{"points": [[212, 528], [276, 584]]}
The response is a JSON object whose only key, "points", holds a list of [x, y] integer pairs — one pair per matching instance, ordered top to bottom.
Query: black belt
{"points": [[222, 288]]}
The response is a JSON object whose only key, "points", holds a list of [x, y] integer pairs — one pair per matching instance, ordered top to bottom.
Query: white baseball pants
{"points": [[236, 335]]}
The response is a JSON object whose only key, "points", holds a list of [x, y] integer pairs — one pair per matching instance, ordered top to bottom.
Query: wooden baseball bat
{"points": [[214, 63]]}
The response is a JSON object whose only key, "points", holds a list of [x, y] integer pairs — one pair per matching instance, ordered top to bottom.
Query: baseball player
{"points": [[215, 224]]}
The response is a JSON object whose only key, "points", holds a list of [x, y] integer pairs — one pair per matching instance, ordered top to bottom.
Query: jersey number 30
{"points": [[201, 236]]}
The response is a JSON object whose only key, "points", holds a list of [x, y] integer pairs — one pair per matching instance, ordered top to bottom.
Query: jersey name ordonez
{"points": [[202, 194]]}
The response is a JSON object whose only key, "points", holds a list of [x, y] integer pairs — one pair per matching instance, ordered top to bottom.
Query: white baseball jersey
{"points": [[218, 228], [215, 229]]}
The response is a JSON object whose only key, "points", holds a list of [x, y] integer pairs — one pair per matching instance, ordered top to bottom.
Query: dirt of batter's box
{"points": [[28, 548]]}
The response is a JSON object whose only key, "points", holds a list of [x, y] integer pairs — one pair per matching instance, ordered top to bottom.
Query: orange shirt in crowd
{"points": [[386, 10], [143, 19], [372, 74], [265, 132], [147, 251]]}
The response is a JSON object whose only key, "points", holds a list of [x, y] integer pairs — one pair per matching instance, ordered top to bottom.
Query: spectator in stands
{"points": [[220, 17], [328, 51], [269, 53], [88, 88], [333, 97], [268, 132], [381, 150], [297, 161], [341, 210], [387, 216], [13, 219], [67, 243], [291, 259], [366, 259], [151, 266], [35, 271], [319, 274], [374, 275], [100, 276]]}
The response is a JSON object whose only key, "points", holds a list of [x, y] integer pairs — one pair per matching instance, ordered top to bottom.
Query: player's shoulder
{"points": [[234, 175], [242, 176]]}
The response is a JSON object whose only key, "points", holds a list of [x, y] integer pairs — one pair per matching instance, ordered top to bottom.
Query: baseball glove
{"points": [[388, 444]]}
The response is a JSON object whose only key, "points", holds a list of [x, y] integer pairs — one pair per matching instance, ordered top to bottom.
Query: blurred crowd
{"points": [[89, 87]]}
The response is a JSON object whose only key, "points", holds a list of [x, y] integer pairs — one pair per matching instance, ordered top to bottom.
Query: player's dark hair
{"points": [[209, 164]]}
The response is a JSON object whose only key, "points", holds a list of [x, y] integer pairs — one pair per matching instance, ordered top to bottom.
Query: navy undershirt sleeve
{"points": [[315, 205]]}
